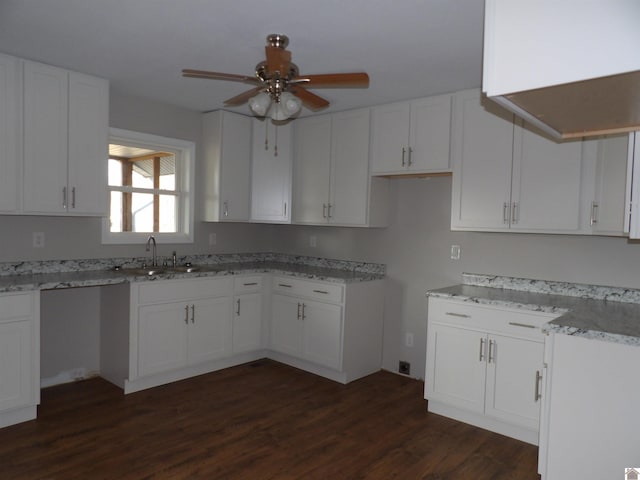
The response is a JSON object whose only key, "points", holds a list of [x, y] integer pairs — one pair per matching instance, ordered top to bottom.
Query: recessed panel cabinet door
{"points": [[390, 137], [45, 138], [88, 144], [10, 160], [312, 160], [481, 162], [349, 168], [271, 172], [546, 183], [247, 322], [286, 325], [209, 329], [322, 333], [162, 337], [15, 364], [456, 366], [511, 380]]}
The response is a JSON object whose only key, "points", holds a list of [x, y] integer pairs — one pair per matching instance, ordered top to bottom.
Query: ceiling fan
{"points": [[278, 88]]}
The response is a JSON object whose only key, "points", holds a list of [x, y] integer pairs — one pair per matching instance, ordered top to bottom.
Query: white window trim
{"points": [[187, 151]]}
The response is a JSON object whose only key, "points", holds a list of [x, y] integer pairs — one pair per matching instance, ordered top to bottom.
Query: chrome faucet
{"points": [[154, 258]]}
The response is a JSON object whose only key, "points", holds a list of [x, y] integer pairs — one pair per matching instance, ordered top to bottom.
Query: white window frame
{"points": [[185, 184]]}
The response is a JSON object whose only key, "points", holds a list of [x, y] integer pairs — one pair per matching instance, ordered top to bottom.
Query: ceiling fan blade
{"points": [[278, 59], [220, 76], [333, 80], [243, 97], [310, 100]]}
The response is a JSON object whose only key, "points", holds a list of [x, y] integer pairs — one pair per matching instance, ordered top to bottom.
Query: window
{"points": [[150, 188]]}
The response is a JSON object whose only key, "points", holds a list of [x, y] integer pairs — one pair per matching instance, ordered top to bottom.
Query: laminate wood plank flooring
{"points": [[258, 421]]}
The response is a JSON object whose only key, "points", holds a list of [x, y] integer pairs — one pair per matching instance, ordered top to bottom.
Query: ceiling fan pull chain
{"points": [[266, 135], [275, 147]]}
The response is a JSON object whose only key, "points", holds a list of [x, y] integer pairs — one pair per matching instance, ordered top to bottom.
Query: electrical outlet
{"points": [[38, 239], [212, 239], [313, 241], [455, 252], [408, 339], [404, 367]]}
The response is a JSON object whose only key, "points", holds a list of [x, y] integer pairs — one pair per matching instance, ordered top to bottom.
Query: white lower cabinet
{"points": [[247, 316], [317, 326], [179, 328], [183, 333], [19, 357], [485, 366]]}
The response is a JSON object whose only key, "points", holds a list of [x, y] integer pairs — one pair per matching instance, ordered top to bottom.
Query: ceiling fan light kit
{"points": [[279, 91]]}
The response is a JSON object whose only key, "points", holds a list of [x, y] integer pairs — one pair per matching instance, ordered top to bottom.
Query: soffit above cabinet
{"points": [[573, 72]]}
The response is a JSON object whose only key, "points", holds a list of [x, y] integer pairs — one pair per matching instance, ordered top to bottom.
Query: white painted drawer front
{"points": [[247, 284], [171, 291], [321, 291], [16, 306], [490, 319]]}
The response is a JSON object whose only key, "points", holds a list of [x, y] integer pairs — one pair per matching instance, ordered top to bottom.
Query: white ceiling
{"points": [[409, 48]]}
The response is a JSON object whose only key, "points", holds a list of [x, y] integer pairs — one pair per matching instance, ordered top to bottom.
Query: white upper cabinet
{"points": [[10, 120], [66, 121], [411, 137], [88, 144], [481, 160], [227, 166], [312, 169], [271, 172], [331, 172], [508, 177], [546, 183], [604, 206]]}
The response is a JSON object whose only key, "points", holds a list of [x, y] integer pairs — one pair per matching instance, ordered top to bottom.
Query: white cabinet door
{"points": [[10, 134], [430, 134], [45, 138], [390, 138], [88, 144], [481, 161], [227, 166], [311, 169], [235, 171], [271, 172], [546, 183], [349, 198], [609, 204], [247, 323], [286, 325], [209, 332], [162, 337], [322, 339], [15, 364], [456, 366], [512, 384]]}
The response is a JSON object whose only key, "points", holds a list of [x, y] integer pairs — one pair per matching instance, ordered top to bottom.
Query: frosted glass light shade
{"points": [[289, 103], [260, 104]]}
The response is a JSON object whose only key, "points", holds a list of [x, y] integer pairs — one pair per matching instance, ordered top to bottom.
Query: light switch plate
{"points": [[455, 252]]}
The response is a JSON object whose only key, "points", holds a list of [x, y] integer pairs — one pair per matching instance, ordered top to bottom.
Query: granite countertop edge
{"points": [[88, 278], [580, 316]]}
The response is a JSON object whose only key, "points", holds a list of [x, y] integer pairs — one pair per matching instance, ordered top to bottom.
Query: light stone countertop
{"points": [[86, 278], [597, 318]]}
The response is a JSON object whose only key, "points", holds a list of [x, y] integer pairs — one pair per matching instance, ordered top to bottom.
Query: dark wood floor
{"points": [[256, 421]]}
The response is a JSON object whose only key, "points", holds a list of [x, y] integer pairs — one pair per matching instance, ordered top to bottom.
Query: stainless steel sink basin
{"points": [[184, 269], [144, 271]]}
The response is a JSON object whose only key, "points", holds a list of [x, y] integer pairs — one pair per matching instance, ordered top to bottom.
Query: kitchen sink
{"points": [[184, 269], [144, 271]]}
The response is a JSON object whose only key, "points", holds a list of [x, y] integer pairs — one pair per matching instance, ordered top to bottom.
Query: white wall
{"points": [[416, 249]]}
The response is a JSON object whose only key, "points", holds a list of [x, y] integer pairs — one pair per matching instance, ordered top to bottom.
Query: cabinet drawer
{"points": [[247, 284], [173, 291], [324, 292], [16, 306], [491, 319]]}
